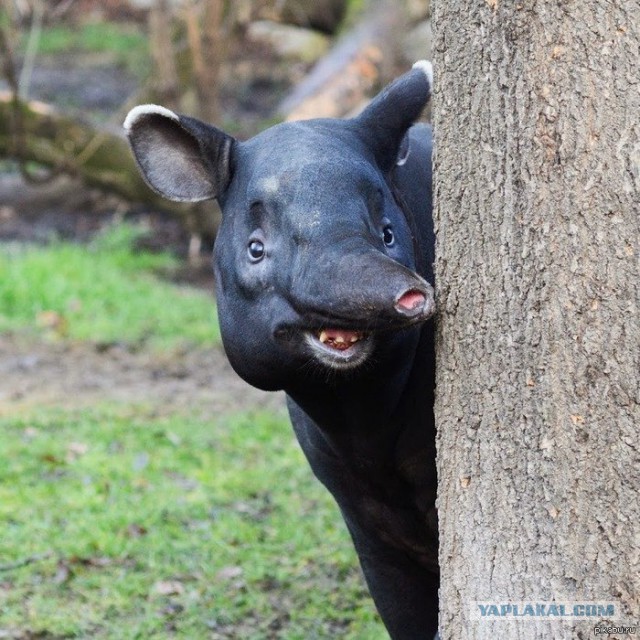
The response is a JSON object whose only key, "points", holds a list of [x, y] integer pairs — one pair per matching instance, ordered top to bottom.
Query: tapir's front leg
{"points": [[404, 591], [405, 594]]}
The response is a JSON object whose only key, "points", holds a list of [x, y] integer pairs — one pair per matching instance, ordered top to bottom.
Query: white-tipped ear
{"points": [[427, 68], [147, 109], [181, 158]]}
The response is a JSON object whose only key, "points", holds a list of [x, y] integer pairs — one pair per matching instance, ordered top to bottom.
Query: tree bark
{"points": [[537, 120], [100, 156]]}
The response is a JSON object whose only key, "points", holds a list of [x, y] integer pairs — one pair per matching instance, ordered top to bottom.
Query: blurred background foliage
{"points": [[242, 65]]}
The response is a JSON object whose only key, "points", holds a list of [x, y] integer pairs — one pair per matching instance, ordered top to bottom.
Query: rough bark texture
{"points": [[537, 120]]}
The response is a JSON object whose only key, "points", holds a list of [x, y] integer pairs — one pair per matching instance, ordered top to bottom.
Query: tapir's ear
{"points": [[383, 124], [180, 158]]}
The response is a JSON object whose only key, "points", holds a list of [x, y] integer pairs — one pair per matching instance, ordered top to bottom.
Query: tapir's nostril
{"points": [[411, 302]]}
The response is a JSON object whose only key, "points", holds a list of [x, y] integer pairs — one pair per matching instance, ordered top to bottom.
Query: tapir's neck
{"points": [[364, 419]]}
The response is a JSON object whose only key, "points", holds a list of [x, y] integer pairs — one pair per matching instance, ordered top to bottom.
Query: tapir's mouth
{"points": [[340, 339], [339, 348]]}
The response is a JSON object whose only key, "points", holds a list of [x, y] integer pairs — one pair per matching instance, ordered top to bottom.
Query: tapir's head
{"points": [[314, 259]]}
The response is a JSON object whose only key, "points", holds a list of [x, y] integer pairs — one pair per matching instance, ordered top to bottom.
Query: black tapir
{"points": [[323, 267]]}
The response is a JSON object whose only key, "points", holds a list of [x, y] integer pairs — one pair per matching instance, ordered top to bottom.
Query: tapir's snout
{"points": [[366, 288], [349, 302]]}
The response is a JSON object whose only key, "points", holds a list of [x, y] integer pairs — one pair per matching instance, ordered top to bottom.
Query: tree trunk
{"points": [[213, 46], [166, 82], [537, 120], [100, 156]]}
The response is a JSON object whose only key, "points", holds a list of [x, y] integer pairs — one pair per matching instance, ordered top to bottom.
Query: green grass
{"points": [[354, 10], [92, 37], [126, 42], [104, 292], [123, 522], [173, 527]]}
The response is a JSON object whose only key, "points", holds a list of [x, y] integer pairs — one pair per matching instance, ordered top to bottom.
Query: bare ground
{"points": [[72, 375]]}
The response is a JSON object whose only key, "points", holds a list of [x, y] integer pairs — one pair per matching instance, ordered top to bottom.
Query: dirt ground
{"points": [[72, 375]]}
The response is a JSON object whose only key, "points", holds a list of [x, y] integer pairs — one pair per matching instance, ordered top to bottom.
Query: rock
{"points": [[289, 41]]}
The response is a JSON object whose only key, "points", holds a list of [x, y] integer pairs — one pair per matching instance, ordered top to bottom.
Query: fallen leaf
{"points": [[6, 213], [74, 305], [53, 321], [173, 438], [75, 450], [141, 461], [135, 530], [98, 561], [63, 573], [228, 573], [169, 587], [172, 609]]}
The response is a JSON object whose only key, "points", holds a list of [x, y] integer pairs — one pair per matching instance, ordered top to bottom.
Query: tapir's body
{"points": [[324, 289]]}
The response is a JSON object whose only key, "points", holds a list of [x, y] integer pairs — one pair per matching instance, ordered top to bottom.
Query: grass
{"points": [[96, 37], [126, 42], [106, 292], [122, 522], [144, 527]]}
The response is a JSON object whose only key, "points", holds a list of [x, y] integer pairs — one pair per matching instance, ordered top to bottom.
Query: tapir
{"points": [[324, 287]]}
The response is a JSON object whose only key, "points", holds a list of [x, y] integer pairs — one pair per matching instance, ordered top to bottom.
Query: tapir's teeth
{"points": [[338, 340]]}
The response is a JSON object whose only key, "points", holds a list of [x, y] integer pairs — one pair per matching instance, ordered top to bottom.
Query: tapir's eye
{"points": [[387, 236], [256, 250]]}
